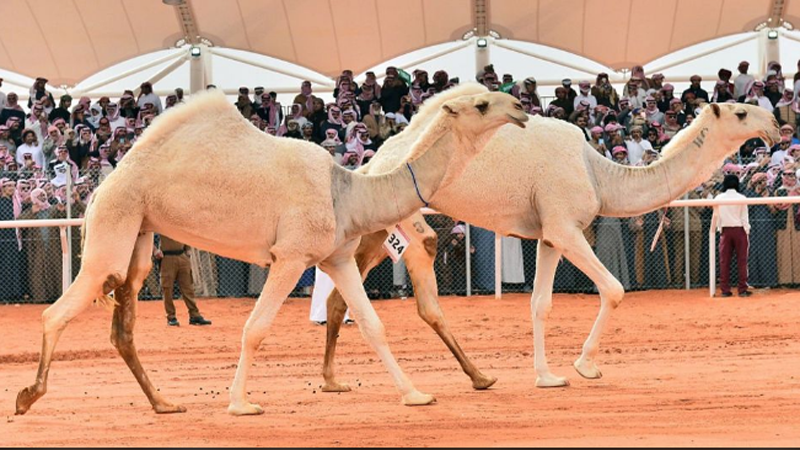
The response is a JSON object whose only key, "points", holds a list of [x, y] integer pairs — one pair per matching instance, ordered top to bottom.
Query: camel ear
{"points": [[451, 108], [715, 108]]}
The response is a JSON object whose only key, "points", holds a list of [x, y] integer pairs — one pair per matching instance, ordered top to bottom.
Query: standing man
{"points": [[742, 80], [146, 95], [734, 222], [175, 264]]}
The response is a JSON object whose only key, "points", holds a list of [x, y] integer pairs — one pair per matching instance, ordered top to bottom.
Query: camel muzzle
{"points": [[517, 121]]}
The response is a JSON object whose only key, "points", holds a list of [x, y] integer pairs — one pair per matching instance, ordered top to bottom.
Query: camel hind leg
{"points": [[419, 259], [102, 271], [344, 272], [125, 319]]}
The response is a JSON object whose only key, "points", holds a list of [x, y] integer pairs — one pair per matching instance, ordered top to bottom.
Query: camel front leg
{"points": [[368, 255], [419, 258], [344, 272], [283, 276], [611, 293], [541, 303], [125, 319]]}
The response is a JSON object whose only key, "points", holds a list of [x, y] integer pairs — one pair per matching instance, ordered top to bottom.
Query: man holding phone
{"points": [[32, 148]]}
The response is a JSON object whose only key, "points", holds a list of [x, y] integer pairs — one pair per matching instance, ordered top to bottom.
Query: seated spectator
{"points": [[695, 89], [392, 91], [773, 91], [604, 92], [721, 92], [584, 95], [755, 95], [305, 98], [244, 105], [63, 109], [786, 110], [269, 111], [651, 111], [115, 120], [291, 129], [788, 130], [307, 132], [655, 138], [637, 146], [32, 149], [780, 150], [620, 155]]}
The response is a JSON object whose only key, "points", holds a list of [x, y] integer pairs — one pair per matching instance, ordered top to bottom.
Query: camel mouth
{"points": [[518, 122]]}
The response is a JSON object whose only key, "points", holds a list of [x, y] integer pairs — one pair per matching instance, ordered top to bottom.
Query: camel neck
{"points": [[687, 161], [368, 203]]}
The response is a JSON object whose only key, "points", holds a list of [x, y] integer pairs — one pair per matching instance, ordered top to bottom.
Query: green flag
{"points": [[404, 76], [507, 87]]}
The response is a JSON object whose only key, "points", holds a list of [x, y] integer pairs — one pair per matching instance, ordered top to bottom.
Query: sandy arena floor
{"points": [[679, 369]]}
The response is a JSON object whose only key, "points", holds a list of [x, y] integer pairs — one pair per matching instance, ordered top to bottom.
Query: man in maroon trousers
{"points": [[734, 222]]}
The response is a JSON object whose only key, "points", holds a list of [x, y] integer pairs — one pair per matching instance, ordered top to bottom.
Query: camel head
{"points": [[478, 116], [742, 122]]}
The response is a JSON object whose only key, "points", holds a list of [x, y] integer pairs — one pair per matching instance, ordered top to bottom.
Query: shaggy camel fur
{"points": [[546, 183], [259, 199]]}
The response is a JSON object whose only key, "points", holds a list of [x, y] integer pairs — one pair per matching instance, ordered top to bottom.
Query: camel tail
{"points": [[106, 301]]}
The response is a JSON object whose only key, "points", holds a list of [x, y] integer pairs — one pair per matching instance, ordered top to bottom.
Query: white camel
{"points": [[203, 175], [547, 183]]}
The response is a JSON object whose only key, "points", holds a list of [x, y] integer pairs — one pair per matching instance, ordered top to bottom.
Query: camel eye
{"points": [[482, 107], [741, 114]]}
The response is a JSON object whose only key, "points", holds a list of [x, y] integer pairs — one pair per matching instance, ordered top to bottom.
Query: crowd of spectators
{"points": [[49, 142]]}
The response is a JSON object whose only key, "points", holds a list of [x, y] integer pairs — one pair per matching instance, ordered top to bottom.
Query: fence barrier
{"points": [[475, 261]]}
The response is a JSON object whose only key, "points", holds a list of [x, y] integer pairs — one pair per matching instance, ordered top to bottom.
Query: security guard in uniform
{"points": [[175, 264]]}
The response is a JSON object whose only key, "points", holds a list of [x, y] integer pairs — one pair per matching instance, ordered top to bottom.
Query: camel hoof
{"points": [[587, 369], [550, 380], [483, 382], [335, 387], [26, 398], [417, 398], [169, 408], [245, 409]]}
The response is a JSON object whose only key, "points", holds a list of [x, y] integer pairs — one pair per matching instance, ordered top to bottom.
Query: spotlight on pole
{"points": [[772, 34], [482, 42], [195, 52]]}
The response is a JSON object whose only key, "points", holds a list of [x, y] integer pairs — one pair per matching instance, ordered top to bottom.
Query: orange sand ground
{"points": [[679, 369]]}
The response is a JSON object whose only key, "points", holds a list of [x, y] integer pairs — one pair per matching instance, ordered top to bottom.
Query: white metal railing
{"points": [[66, 247]]}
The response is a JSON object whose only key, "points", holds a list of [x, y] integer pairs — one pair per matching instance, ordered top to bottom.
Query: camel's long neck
{"points": [[687, 161], [375, 202]]}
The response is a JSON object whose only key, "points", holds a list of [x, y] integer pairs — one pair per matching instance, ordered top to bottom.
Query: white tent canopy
{"points": [[67, 42]]}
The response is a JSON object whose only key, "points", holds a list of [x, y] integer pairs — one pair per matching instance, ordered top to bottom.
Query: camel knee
{"points": [[431, 243], [112, 282], [614, 293], [541, 308], [432, 316], [53, 319]]}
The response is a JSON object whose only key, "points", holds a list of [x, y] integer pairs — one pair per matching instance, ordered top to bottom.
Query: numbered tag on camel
{"points": [[396, 243]]}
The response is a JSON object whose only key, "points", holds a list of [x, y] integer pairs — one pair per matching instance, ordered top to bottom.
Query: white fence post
{"points": [[468, 244], [686, 249], [712, 258], [68, 260], [498, 266], [66, 273]]}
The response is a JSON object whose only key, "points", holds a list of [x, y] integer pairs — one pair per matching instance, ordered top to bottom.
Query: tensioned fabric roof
{"points": [[68, 40]]}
